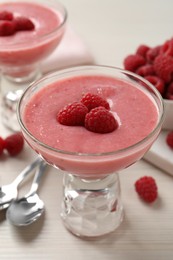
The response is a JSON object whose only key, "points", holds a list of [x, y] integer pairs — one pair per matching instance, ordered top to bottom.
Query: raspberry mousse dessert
{"points": [[29, 32], [28, 35], [59, 117], [91, 122]]}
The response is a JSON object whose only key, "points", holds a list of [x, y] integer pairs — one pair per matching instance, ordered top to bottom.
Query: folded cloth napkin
{"points": [[72, 51], [160, 154]]}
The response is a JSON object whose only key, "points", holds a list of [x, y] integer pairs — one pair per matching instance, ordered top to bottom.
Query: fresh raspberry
{"points": [[6, 15], [23, 24], [7, 28], [167, 48], [142, 50], [152, 53], [133, 62], [163, 66], [145, 70], [157, 82], [169, 92], [91, 101], [72, 114], [100, 120], [169, 139], [14, 144], [2, 145], [147, 189]]}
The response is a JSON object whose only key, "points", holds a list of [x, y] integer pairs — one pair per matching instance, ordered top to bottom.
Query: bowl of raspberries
{"points": [[155, 64]]}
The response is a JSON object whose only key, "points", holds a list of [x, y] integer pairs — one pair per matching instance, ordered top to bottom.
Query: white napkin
{"points": [[72, 51], [160, 154]]}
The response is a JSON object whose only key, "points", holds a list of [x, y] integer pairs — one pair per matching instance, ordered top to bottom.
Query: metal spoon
{"points": [[9, 192], [28, 209]]}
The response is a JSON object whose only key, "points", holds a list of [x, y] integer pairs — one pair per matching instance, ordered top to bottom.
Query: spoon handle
{"points": [[26, 171], [37, 178]]}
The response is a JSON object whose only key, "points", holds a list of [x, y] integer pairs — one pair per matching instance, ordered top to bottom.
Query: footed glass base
{"points": [[91, 208]]}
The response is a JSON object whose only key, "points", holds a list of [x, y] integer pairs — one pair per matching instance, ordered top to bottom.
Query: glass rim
{"points": [[44, 36], [81, 68]]}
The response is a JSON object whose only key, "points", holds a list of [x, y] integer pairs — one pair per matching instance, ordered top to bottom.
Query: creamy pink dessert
{"points": [[28, 47], [74, 148]]}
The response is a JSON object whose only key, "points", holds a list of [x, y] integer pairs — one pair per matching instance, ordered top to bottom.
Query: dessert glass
{"points": [[19, 61], [91, 205]]}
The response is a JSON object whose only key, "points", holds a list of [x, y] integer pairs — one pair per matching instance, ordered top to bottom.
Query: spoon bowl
{"points": [[9, 192], [29, 208], [25, 211]]}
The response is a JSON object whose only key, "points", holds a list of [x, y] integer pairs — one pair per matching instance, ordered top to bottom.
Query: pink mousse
{"points": [[28, 47], [135, 111]]}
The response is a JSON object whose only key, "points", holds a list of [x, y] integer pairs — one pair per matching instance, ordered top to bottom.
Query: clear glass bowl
{"points": [[21, 54], [92, 202]]}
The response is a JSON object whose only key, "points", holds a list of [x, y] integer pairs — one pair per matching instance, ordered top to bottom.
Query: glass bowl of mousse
{"points": [[29, 32], [91, 122]]}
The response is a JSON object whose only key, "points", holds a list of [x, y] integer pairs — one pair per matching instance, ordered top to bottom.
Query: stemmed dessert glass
{"points": [[20, 59], [91, 205]]}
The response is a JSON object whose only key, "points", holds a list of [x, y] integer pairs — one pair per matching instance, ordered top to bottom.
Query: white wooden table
{"points": [[111, 29]]}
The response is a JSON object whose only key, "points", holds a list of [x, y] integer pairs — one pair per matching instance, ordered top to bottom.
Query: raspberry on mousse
{"points": [[6, 15], [9, 24], [7, 28], [92, 100], [92, 112], [72, 114], [100, 120]]}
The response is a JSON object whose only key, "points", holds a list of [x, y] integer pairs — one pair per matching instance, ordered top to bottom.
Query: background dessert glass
{"points": [[19, 60], [91, 204]]}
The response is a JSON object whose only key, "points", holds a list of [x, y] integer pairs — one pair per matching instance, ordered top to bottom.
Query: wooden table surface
{"points": [[111, 29]]}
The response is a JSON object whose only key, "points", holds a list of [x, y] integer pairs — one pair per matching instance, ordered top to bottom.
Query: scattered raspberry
{"points": [[6, 15], [23, 24], [7, 28], [167, 48], [142, 50], [152, 53], [133, 62], [163, 66], [145, 70], [157, 82], [169, 91], [91, 101], [73, 114], [100, 120], [169, 139], [14, 144], [2, 145], [147, 189]]}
